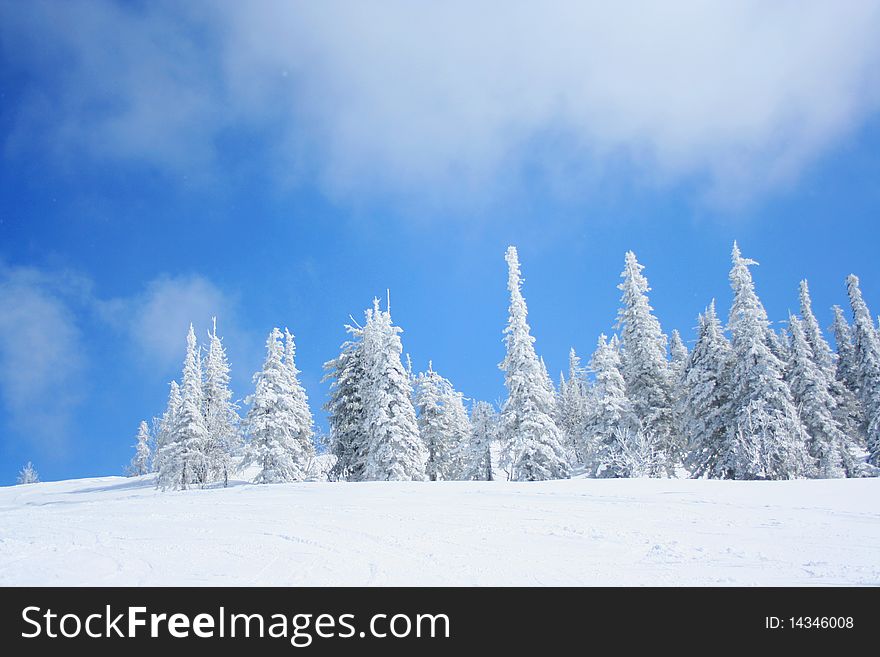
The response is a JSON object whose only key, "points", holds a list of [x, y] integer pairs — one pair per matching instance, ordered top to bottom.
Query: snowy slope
{"points": [[117, 531]]}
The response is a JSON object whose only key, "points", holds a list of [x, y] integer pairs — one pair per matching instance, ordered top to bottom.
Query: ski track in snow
{"points": [[122, 532]]}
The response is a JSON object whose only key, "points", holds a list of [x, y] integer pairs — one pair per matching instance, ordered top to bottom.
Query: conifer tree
{"points": [[644, 365], [867, 365], [705, 405], [345, 408], [571, 409], [221, 413], [851, 414], [443, 425], [484, 431], [766, 439], [532, 441], [394, 450], [140, 463], [28, 475]]}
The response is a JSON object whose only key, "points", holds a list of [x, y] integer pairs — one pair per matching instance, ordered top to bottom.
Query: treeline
{"points": [[747, 402]]}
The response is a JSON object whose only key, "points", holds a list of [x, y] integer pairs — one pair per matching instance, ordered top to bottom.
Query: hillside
{"points": [[117, 531]]}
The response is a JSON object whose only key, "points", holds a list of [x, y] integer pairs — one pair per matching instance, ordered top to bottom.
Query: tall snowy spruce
{"points": [[867, 365], [645, 368], [811, 391], [705, 399], [345, 408], [850, 409], [571, 410], [221, 413], [611, 415], [278, 424], [443, 425], [165, 429], [766, 439], [532, 442], [394, 450], [183, 461], [477, 461], [140, 463]]}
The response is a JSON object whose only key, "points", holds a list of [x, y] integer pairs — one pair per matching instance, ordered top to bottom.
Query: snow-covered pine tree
{"points": [[678, 353], [822, 354], [678, 356], [867, 363], [644, 365], [810, 389], [706, 399], [299, 400], [345, 409], [571, 409], [221, 413], [851, 414], [611, 415], [443, 425], [484, 431], [279, 434], [165, 436], [766, 439], [532, 442], [394, 450], [182, 461], [140, 463], [28, 475]]}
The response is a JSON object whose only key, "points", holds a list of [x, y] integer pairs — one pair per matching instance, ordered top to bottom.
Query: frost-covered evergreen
{"points": [[822, 354], [678, 356], [867, 364], [644, 365], [810, 388], [705, 399], [345, 408], [571, 409], [221, 413], [851, 414], [611, 415], [278, 423], [443, 425], [165, 428], [766, 439], [532, 442], [394, 450], [182, 461], [477, 461], [140, 463], [28, 475]]}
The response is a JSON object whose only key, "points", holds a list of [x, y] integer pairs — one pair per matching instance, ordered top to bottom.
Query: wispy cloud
{"points": [[395, 96], [41, 358]]}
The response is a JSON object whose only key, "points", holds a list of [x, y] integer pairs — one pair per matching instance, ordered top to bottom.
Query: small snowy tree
{"points": [[867, 363], [644, 365], [810, 389], [571, 409], [221, 413], [346, 413], [611, 414], [443, 425], [279, 430], [484, 431], [165, 436], [766, 439], [532, 441], [394, 450], [635, 454], [140, 464], [28, 475]]}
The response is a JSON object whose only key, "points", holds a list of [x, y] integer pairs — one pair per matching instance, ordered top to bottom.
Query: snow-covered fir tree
{"points": [[678, 353], [822, 354], [678, 357], [867, 364], [644, 365], [810, 388], [705, 399], [345, 408], [571, 409], [850, 410], [221, 413], [611, 415], [303, 420], [443, 425], [165, 427], [278, 429], [766, 439], [533, 444], [394, 449], [182, 457], [477, 461], [140, 463], [28, 475]]}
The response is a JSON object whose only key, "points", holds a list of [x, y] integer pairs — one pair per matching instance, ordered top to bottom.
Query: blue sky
{"points": [[281, 164]]}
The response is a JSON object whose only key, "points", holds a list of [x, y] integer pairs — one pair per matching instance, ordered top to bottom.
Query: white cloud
{"points": [[396, 97], [41, 359]]}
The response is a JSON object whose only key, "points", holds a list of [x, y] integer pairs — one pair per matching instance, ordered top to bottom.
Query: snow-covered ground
{"points": [[117, 531]]}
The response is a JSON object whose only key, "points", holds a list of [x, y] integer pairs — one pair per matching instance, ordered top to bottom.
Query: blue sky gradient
{"points": [[119, 225]]}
